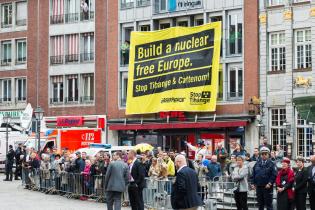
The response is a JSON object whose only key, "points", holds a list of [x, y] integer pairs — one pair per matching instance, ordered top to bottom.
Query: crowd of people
{"points": [[128, 171]]}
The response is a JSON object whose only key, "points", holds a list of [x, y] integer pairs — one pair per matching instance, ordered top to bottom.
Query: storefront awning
{"points": [[306, 107], [158, 126]]}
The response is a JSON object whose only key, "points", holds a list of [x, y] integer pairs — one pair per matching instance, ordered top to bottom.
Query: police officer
{"points": [[18, 162], [9, 164], [264, 176]]}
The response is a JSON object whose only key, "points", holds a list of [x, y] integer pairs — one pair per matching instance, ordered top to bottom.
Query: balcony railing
{"points": [[143, 3], [127, 5], [87, 16], [72, 17], [56, 19], [21, 22], [87, 56], [74, 58], [56, 59], [19, 61], [6, 62], [20, 99], [87, 99], [5, 100], [72, 100]]}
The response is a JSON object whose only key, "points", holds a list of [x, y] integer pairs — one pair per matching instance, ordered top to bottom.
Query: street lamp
{"points": [[39, 114], [7, 119], [287, 127], [261, 128]]}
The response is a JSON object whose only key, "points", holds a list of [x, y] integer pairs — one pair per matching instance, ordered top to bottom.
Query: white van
{"points": [[14, 138]]}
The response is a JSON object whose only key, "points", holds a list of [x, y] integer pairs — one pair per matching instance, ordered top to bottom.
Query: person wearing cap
{"points": [[265, 144], [201, 149], [79, 163], [9, 164], [239, 176], [263, 179], [284, 183], [300, 187]]}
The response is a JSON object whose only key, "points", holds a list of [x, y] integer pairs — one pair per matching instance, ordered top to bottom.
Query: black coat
{"points": [[10, 157], [138, 174], [311, 179], [301, 181], [185, 190]]}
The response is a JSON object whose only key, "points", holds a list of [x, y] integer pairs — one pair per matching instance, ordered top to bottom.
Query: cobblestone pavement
{"points": [[14, 197]]}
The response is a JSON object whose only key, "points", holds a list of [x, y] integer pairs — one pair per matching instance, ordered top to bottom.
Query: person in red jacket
{"points": [[284, 182]]}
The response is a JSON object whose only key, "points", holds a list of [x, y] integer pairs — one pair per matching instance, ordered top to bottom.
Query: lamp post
{"points": [[39, 114], [7, 119], [287, 127], [261, 128]]}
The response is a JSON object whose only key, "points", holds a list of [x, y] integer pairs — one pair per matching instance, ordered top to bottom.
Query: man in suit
{"points": [[116, 180], [136, 181], [311, 182], [186, 187], [300, 187]]}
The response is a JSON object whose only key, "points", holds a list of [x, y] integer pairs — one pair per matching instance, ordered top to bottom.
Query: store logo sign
{"points": [[178, 5], [177, 115], [69, 121]]}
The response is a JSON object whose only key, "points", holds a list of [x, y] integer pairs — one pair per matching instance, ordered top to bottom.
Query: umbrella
{"points": [[143, 147]]}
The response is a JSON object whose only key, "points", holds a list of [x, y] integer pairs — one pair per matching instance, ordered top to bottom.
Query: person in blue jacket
{"points": [[214, 168], [263, 179]]}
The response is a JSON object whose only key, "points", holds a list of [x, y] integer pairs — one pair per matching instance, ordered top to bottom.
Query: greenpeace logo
{"points": [[200, 98], [172, 100]]}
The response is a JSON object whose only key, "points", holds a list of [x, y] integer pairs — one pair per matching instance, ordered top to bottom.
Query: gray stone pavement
{"points": [[14, 197]]}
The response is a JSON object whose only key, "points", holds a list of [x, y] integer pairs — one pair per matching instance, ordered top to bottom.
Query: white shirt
{"points": [[130, 168]]}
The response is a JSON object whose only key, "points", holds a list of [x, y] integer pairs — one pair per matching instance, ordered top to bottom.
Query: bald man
{"points": [[311, 182], [186, 187]]}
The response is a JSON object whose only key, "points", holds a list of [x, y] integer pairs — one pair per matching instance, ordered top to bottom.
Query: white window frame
{"points": [[275, 2], [3, 6], [160, 6], [16, 12], [238, 16], [306, 44], [280, 48], [17, 51], [9, 55], [90, 79], [122, 86], [8, 89], [24, 91], [237, 91], [74, 99], [281, 129], [303, 150]]}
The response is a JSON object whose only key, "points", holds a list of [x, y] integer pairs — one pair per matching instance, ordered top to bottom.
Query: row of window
{"points": [[282, 2], [126, 4], [71, 11], [13, 14], [233, 37], [72, 48], [302, 50], [13, 52], [72, 89], [12, 90], [279, 133]]}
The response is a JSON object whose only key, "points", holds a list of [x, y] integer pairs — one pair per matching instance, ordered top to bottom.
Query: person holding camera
{"points": [[239, 175]]}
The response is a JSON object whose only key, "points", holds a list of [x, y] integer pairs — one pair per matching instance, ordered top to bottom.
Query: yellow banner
{"points": [[174, 70]]}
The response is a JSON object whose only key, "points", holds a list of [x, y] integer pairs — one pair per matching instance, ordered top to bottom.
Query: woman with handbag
{"points": [[239, 175], [284, 182]]}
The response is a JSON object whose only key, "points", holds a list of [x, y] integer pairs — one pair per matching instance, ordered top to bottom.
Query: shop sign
{"points": [[178, 5], [12, 114], [177, 115], [69, 121], [75, 139]]}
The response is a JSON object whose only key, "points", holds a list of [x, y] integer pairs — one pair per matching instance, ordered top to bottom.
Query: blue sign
{"points": [[172, 5]]}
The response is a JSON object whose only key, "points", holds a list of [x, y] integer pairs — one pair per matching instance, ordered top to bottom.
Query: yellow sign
{"points": [[174, 70]]}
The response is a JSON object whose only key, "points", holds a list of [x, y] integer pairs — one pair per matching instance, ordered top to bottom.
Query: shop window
{"points": [[6, 10], [21, 13], [235, 34], [303, 49], [20, 51], [277, 51], [6, 53], [235, 83], [87, 88], [123, 88], [20, 89], [72, 89], [6, 90], [57, 90], [278, 130], [304, 138]]}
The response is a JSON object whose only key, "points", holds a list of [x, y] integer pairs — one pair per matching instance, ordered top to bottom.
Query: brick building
{"points": [[53, 54], [238, 77]]}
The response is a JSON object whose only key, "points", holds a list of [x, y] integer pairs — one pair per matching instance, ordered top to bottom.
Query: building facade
{"points": [[287, 28], [50, 56], [238, 75]]}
